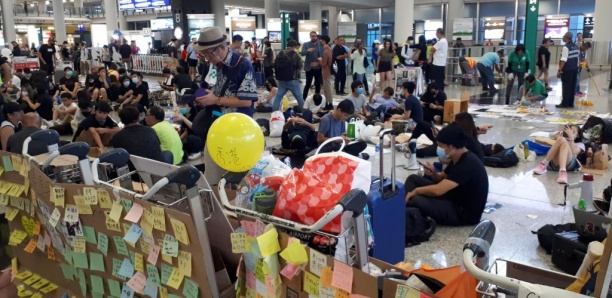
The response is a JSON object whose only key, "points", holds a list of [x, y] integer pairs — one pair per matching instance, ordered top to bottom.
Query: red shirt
{"points": [[135, 50]]}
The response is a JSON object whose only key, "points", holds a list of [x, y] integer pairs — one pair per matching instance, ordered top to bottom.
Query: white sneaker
{"points": [[194, 155]]}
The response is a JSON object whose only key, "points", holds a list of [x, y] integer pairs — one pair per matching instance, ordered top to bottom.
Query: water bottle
{"points": [[170, 114], [526, 149]]}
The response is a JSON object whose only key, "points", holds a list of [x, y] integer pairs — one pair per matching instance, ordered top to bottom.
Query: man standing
{"points": [[236, 44], [16, 49], [407, 52], [439, 52], [126, 54], [46, 55], [256, 56], [339, 56], [84, 59], [543, 61], [582, 63], [288, 65], [312, 66], [326, 66], [485, 68], [568, 71]]}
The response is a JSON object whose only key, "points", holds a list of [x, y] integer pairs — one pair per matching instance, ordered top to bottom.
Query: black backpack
{"points": [[284, 67], [606, 128], [503, 159], [418, 228], [546, 234]]}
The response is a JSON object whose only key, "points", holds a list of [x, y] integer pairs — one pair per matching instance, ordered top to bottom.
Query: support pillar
{"points": [[42, 7], [272, 8], [218, 9], [315, 10], [454, 11], [111, 15], [404, 19], [8, 21], [59, 21], [122, 21], [332, 22], [603, 22], [531, 30]]}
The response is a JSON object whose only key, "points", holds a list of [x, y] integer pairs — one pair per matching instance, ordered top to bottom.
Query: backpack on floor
{"points": [[605, 135], [503, 159], [418, 228], [546, 234]]}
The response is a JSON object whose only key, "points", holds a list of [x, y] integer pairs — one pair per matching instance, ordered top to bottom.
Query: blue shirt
{"points": [[193, 54], [311, 57], [489, 59], [241, 78], [413, 104], [330, 127]]}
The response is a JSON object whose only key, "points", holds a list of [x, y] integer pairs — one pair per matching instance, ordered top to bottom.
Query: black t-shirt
{"points": [[172, 50], [125, 51], [339, 51], [543, 51], [47, 52], [65, 53], [91, 79], [25, 81], [182, 81], [68, 82], [100, 84], [144, 90], [114, 91], [428, 98], [413, 104], [45, 110], [90, 122], [132, 138], [475, 147], [470, 196]]}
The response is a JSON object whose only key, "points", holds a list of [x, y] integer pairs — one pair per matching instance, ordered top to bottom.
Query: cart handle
{"points": [[48, 136], [78, 149], [118, 157], [187, 175], [355, 200]]}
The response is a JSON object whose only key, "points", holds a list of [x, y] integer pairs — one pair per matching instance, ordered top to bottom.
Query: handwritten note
{"points": [[91, 195], [57, 196], [104, 199], [127, 204], [11, 213], [71, 213], [115, 213], [135, 213], [55, 217], [159, 218], [146, 222], [28, 224], [111, 224], [180, 231], [133, 234], [17, 237], [238, 242], [103, 243], [268, 243], [79, 244], [31, 246], [120, 246], [170, 246], [50, 253], [153, 253], [295, 253], [138, 262], [317, 262], [184, 263], [116, 266], [127, 268], [166, 271], [289, 271], [153, 274], [326, 276], [342, 277], [176, 279], [137, 282], [311, 284], [150, 289], [191, 290], [402, 291]]}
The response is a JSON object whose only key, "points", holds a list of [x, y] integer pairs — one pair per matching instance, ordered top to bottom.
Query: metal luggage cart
{"points": [[72, 173], [354, 201], [506, 278]]}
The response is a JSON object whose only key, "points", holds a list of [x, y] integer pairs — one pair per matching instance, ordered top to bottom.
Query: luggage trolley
{"points": [[75, 173], [160, 191], [354, 201], [502, 278]]}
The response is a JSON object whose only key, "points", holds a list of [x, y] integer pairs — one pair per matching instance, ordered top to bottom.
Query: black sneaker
{"points": [[562, 107], [364, 156], [602, 206], [432, 227]]}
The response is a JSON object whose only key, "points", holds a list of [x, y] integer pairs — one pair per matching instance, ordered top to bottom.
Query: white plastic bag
{"points": [[277, 121], [359, 127], [369, 132], [520, 153]]}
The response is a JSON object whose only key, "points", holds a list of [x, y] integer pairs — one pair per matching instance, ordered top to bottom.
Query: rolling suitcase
{"points": [[260, 79], [387, 206]]}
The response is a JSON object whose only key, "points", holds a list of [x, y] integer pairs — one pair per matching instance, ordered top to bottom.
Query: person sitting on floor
{"points": [[70, 82], [533, 91], [359, 101], [315, 103], [433, 103], [264, 104], [384, 105], [413, 109], [63, 114], [12, 115], [31, 124], [334, 125], [98, 129], [134, 136], [168, 136], [299, 137], [193, 145], [562, 156], [456, 196]]}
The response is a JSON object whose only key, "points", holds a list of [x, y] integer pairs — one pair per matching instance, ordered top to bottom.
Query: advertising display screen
{"points": [[141, 4], [161, 24], [556, 27], [495, 28]]}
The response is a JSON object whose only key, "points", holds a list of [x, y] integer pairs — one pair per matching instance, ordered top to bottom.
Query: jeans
{"points": [[486, 76], [361, 77], [318, 80], [521, 80], [578, 81], [340, 82], [568, 85], [284, 86], [530, 94], [380, 111], [440, 209]]}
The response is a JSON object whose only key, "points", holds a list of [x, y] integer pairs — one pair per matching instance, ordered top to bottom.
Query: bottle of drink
{"points": [[526, 149], [582, 204]]}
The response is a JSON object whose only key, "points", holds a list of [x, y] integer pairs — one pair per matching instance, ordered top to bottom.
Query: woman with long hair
{"points": [[384, 65], [359, 70], [264, 104]]}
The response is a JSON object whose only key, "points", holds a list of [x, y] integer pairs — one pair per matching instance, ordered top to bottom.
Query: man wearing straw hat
{"points": [[234, 88]]}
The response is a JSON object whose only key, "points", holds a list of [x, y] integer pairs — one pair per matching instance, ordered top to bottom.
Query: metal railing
{"points": [[33, 10], [156, 10]]}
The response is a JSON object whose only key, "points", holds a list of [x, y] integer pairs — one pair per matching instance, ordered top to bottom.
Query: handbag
{"points": [[366, 63]]}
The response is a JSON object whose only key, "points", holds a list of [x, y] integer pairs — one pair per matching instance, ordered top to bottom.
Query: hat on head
{"points": [[209, 38], [377, 41]]}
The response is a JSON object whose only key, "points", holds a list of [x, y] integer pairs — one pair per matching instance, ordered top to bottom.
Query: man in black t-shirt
{"points": [[173, 49], [65, 51], [126, 54], [46, 55], [339, 56], [543, 61], [69, 82], [140, 92], [41, 103], [98, 129], [134, 135], [456, 196]]}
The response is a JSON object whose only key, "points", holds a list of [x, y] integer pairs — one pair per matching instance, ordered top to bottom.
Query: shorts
{"points": [[192, 62], [384, 66], [542, 69], [573, 166]]}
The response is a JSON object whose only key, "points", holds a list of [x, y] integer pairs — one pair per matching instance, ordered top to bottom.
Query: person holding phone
{"points": [[562, 156]]}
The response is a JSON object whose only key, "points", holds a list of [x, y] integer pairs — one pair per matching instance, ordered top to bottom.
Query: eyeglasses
{"points": [[208, 53]]}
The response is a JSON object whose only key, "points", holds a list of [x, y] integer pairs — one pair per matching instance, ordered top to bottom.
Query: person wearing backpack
{"points": [[287, 66]]}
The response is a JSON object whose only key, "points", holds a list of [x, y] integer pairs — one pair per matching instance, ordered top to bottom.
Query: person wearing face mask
{"points": [[407, 52], [27, 77], [91, 78], [69, 82], [101, 86], [126, 90], [140, 92], [359, 101], [432, 102], [264, 104], [63, 114], [98, 129], [134, 135], [192, 144], [457, 195]]}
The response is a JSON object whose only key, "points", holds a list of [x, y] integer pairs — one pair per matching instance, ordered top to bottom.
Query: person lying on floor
{"points": [[334, 125], [562, 156], [456, 196]]}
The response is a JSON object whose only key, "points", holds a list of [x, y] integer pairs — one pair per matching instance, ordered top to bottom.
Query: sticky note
{"points": [[16, 162], [8, 165], [91, 195], [4, 199], [127, 204], [84, 209], [11, 213], [71, 213], [115, 213], [134, 213], [55, 217], [159, 218], [146, 222], [28, 224], [111, 224], [248, 227], [37, 228], [180, 231], [90, 234], [133, 234], [17, 237], [238, 242], [102, 243], [268, 243], [79, 244], [31, 246], [120, 246], [170, 246], [51, 253], [153, 253], [295, 253], [80, 260], [96, 261], [317, 262], [184, 263], [271, 265], [14, 266], [116, 266], [127, 268], [68, 271], [166, 271], [289, 271], [153, 274], [259, 274], [24, 275], [326, 276], [342, 277], [34, 278], [176, 279], [250, 280], [137, 282], [39, 284], [97, 284], [311, 284], [114, 287], [50, 288], [273, 288], [151, 289], [191, 290], [402, 291], [126, 292], [163, 292], [327, 292], [342, 294], [361, 296]]}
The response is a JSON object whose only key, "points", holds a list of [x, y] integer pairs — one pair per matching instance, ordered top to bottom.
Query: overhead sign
{"points": [[141, 4], [243, 23], [162, 24], [589, 25], [556, 26], [463, 28], [495, 28], [531, 29], [348, 30]]}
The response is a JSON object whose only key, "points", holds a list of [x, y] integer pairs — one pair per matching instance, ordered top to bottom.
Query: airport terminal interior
{"points": [[531, 76]]}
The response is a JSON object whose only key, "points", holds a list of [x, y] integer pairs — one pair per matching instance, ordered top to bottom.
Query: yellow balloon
{"points": [[235, 142]]}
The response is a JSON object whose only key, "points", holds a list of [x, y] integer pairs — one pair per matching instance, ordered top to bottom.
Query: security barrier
{"points": [[150, 64]]}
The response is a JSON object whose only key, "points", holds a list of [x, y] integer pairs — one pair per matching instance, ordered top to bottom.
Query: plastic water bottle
{"points": [[170, 113]]}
